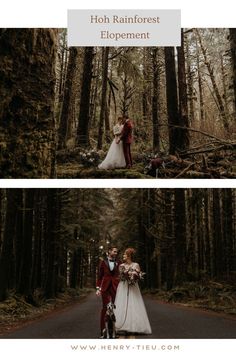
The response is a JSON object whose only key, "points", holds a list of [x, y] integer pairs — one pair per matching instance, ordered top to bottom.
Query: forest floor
{"points": [[84, 164], [75, 170], [214, 296], [15, 312]]}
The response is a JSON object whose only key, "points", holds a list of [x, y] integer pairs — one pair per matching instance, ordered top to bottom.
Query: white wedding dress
{"points": [[115, 157], [130, 312]]}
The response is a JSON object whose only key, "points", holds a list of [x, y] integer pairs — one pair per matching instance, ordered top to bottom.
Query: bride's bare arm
{"points": [[137, 268]]}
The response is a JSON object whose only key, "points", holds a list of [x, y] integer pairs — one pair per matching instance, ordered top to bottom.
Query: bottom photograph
{"points": [[118, 263]]}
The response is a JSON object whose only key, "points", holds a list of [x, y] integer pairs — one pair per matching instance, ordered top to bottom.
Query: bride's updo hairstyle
{"points": [[130, 252]]}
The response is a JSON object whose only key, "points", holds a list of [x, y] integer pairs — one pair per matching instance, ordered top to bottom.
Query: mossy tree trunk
{"points": [[27, 87], [103, 98], [67, 99], [84, 114]]}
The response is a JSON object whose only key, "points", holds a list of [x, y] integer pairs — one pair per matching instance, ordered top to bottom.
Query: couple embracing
{"points": [[119, 154], [118, 282]]}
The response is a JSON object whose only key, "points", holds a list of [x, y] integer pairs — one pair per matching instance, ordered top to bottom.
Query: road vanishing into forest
{"points": [[81, 321]]}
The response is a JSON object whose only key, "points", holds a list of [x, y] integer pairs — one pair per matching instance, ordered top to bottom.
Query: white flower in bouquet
{"points": [[131, 275]]}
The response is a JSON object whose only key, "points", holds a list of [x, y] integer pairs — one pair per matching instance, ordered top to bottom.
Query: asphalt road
{"points": [[167, 321]]}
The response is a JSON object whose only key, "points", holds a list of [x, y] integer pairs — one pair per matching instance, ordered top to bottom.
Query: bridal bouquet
{"points": [[131, 275]]}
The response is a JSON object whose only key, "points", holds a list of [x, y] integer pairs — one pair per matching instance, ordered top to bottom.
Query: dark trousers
{"points": [[127, 153], [107, 296]]}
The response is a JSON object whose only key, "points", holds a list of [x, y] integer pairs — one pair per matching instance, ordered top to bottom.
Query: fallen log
{"points": [[228, 146], [185, 170]]}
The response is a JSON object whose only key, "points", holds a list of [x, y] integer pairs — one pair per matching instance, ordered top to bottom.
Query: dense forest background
{"points": [[58, 104], [51, 240]]}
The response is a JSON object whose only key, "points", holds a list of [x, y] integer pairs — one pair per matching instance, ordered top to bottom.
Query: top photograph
{"points": [[117, 112]]}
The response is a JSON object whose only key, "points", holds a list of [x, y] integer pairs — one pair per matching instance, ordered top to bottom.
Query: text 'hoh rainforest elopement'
{"points": [[124, 28]]}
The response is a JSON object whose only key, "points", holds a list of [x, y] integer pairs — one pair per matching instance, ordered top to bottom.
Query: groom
{"points": [[126, 137], [107, 281]]}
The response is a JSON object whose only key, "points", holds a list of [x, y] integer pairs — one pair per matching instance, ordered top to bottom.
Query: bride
{"points": [[115, 157], [130, 312]]}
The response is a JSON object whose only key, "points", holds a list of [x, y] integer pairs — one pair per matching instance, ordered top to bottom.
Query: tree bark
{"points": [[232, 32], [63, 65], [224, 84], [27, 86], [200, 87], [146, 89], [190, 90], [94, 96], [103, 98], [155, 100], [172, 100], [183, 100], [84, 114], [65, 118], [1, 215], [228, 231], [207, 233], [180, 235], [217, 235], [18, 242], [7, 245], [170, 246], [74, 268], [36, 280], [50, 281], [24, 286]]}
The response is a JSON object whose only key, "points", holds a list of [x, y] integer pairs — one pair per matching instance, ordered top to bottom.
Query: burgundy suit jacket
{"points": [[126, 134], [106, 277]]}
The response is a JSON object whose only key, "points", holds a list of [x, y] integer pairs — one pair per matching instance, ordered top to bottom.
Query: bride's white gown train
{"points": [[115, 157], [131, 315]]}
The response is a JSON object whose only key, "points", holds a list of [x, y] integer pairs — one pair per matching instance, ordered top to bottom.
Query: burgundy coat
{"points": [[126, 134], [106, 277]]}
